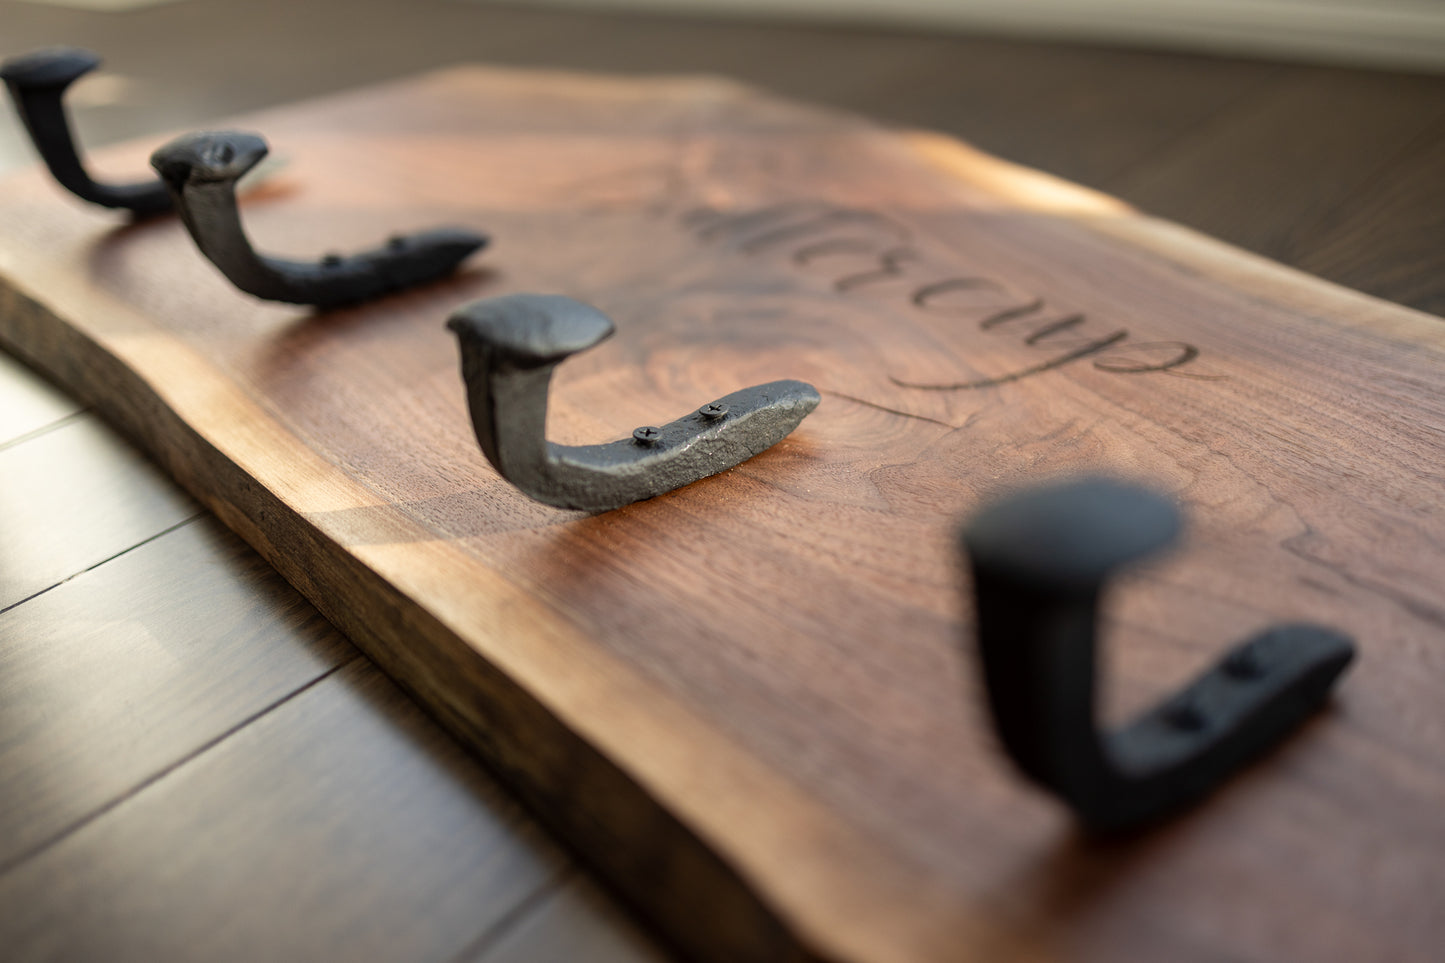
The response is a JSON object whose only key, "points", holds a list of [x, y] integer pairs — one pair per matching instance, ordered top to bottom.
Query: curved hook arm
{"points": [[37, 83], [201, 171], [510, 345], [1040, 560]]}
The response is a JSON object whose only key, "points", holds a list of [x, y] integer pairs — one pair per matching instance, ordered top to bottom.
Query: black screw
{"points": [[396, 242], [331, 260], [713, 411], [646, 436], [1245, 663], [1185, 713]]}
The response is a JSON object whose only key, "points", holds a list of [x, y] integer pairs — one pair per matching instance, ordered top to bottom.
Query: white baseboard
{"points": [[1392, 33]]}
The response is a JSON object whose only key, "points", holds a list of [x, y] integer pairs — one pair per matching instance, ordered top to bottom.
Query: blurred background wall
{"points": [[1397, 33], [1407, 34]]}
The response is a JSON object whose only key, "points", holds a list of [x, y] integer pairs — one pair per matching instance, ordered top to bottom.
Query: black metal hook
{"points": [[37, 83], [201, 171], [509, 346], [1040, 560]]}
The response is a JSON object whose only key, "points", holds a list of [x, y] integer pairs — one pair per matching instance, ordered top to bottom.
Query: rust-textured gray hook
{"points": [[37, 83], [201, 171], [509, 346], [1040, 560]]}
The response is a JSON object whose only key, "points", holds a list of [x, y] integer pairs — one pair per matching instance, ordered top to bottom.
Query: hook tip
{"points": [[446, 244], [797, 396], [1316, 655]]}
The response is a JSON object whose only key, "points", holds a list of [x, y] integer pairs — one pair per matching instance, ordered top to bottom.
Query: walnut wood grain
{"points": [[746, 701]]}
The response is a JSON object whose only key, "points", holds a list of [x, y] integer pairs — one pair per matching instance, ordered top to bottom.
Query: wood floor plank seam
{"points": [[1234, 112], [1118, 181], [1335, 209], [1343, 210], [1388, 240], [28, 402], [45, 429], [105, 561], [25, 856], [479, 949]]}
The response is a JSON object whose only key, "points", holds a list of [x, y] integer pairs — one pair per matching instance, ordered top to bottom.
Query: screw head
{"points": [[396, 242], [332, 260], [713, 411], [647, 435], [1245, 663], [1186, 714]]}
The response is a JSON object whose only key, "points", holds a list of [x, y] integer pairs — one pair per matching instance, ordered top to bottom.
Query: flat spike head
{"points": [[51, 67], [209, 157], [530, 330], [1071, 533]]}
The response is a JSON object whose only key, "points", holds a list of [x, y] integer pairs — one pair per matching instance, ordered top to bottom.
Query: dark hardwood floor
{"points": [[193, 764]]}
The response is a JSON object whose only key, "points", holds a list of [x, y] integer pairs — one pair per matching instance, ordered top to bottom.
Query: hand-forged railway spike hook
{"points": [[37, 83], [201, 171], [509, 346], [1040, 559]]}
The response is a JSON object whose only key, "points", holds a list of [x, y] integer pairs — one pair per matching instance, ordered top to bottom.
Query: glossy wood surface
{"points": [[804, 719]]}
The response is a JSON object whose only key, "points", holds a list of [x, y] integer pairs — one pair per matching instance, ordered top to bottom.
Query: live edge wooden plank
{"points": [[125, 671], [746, 701], [340, 825]]}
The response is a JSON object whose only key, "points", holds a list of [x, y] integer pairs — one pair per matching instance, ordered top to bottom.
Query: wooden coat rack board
{"points": [[752, 703]]}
